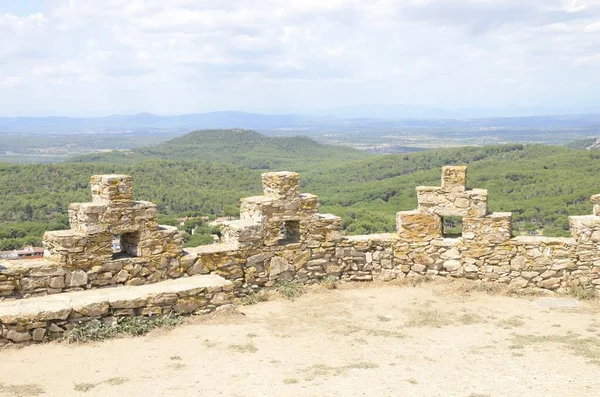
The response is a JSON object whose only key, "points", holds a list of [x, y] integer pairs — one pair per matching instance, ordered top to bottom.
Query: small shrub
{"points": [[330, 282], [291, 289], [577, 291], [257, 297], [134, 326], [94, 330], [97, 330]]}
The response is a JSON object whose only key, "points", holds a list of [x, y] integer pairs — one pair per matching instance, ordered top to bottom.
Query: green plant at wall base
{"points": [[290, 289], [97, 330]]}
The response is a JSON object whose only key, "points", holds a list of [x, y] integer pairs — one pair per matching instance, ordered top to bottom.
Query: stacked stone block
{"points": [[282, 235], [486, 249], [149, 252]]}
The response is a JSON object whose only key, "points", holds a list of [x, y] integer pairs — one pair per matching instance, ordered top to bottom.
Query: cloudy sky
{"points": [[99, 57]]}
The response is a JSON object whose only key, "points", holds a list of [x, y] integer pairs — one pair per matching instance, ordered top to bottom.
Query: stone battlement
{"points": [[282, 236]]}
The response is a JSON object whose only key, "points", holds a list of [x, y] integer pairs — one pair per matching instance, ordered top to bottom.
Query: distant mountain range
{"points": [[397, 112], [341, 119]]}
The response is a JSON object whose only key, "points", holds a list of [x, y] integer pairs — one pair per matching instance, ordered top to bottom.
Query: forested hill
{"points": [[587, 144], [244, 148], [541, 185]]}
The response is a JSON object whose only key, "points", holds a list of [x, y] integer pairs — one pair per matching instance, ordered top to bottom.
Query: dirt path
{"points": [[382, 341]]}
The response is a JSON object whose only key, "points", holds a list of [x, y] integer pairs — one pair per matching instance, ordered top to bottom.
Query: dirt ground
{"points": [[429, 340]]}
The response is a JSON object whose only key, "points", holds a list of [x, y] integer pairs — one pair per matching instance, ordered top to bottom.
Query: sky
{"points": [[93, 58]]}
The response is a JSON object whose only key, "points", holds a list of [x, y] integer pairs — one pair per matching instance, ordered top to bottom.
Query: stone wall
{"points": [[282, 236], [255, 255], [83, 257], [30, 320]]}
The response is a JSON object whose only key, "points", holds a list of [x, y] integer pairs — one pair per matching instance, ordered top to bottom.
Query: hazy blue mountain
{"points": [[375, 116]]}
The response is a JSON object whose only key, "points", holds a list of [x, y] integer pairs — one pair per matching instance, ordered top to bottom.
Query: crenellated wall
{"points": [[282, 236], [255, 256], [83, 258]]}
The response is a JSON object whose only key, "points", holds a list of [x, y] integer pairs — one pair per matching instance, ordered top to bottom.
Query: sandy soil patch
{"points": [[430, 340]]}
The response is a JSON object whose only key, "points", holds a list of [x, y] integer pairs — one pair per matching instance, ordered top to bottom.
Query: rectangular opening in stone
{"points": [[452, 226], [289, 232], [124, 245]]}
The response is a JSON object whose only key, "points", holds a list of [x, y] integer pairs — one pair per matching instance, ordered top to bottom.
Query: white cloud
{"points": [[119, 56], [586, 60], [10, 81]]}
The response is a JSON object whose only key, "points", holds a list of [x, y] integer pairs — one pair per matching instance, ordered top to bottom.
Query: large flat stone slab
{"points": [[556, 303], [53, 306]]}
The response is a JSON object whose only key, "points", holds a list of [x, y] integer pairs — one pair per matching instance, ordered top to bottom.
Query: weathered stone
{"points": [[255, 259], [301, 259], [277, 265], [451, 265], [418, 268], [470, 268], [121, 277], [76, 278], [57, 282], [551, 283], [219, 299], [163, 300], [128, 304], [188, 305], [94, 309], [55, 328], [38, 334], [18, 337]]}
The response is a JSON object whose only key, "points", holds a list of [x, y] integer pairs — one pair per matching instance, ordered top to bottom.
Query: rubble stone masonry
{"points": [[282, 236]]}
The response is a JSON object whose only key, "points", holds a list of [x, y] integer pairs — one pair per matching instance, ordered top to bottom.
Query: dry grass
{"points": [[330, 282], [463, 287], [291, 289], [581, 293], [257, 297], [385, 318], [428, 318], [471, 318], [511, 322], [352, 329], [384, 333], [208, 343], [584, 347], [245, 348], [325, 371], [116, 381], [85, 387], [23, 390]]}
